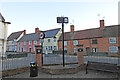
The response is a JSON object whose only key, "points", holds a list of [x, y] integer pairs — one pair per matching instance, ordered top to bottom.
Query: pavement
{"points": [[80, 74]]}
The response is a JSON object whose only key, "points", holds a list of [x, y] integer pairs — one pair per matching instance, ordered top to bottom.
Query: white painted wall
{"points": [[3, 38]]}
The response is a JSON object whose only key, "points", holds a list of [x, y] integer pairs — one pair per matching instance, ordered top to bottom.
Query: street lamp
{"points": [[62, 20]]}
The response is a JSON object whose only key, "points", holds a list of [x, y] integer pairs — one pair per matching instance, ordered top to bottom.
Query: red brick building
{"points": [[105, 39], [28, 41]]}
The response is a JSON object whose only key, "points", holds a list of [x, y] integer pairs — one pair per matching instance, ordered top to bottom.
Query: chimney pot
{"points": [[101, 24], [72, 28], [36, 30], [24, 32]]}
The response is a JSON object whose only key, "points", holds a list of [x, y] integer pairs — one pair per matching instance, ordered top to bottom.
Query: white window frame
{"points": [[49, 40], [55, 40], [112, 40], [24, 42], [30, 42], [35, 42], [75, 42], [65, 43], [25, 48], [33, 48], [93, 49], [113, 49], [75, 50]]}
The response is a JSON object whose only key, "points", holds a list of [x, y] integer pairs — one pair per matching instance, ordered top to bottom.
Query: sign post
{"points": [[62, 20], [42, 36]]}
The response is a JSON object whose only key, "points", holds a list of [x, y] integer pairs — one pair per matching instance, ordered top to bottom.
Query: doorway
{"points": [[30, 49], [87, 50]]}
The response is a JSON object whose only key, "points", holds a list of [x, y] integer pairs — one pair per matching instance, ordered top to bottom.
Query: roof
{"points": [[2, 18], [108, 31], [51, 33], [82, 34], [14, 35], [35, 36], [30, 37]]}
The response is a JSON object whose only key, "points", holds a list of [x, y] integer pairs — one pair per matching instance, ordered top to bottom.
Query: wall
{"points": [[3, 38], [102, 45]]}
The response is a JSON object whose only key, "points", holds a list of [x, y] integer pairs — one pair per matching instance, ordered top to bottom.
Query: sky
{"points": [[84, 14]]}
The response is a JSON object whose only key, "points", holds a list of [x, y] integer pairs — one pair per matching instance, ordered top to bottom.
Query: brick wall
{"points": [[102, 45]]}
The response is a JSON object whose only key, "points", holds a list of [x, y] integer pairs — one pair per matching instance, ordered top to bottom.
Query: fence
{"points": [[13, 63]]}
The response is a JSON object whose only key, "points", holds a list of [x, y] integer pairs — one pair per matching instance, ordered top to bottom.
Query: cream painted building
{"points": [[3, 35], [51, 42]]}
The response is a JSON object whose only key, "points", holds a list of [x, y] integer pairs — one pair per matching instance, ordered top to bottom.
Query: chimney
{"points": [[101, 24], [71, 28], [36, 30], [24, 32]]}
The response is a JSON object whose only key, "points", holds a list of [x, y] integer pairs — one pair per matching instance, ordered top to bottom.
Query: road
{"points": [[52, 59]]}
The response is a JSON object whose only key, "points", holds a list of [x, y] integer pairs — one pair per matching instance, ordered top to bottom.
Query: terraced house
{"points": [[3, 35], [13, 39], [104, 40], [27, 42]]}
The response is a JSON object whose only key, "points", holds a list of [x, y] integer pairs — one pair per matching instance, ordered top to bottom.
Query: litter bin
{"points": [[33, 69]]}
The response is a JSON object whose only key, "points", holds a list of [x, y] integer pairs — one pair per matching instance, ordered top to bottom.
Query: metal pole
{"points": [[63, 42], [42, 52]]}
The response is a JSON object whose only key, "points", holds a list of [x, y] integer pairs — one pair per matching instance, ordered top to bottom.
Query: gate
{"points": [[54, 59]]}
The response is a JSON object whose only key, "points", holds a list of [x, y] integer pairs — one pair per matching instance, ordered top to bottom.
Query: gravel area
{"points": [[80, 74]]}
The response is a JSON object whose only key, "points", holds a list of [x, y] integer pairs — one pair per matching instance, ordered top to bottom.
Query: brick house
{"points": [[13, 39], [105, 39], [27, 42]]}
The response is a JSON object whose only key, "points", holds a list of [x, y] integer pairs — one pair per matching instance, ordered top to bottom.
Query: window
{"points": [[55, 39], [48, 40], [112, 40], [94, 41], [24, 42], [30, 42], [35, 42], [75, 42], [19, 43], [65, 43], [49, 47], [55, 47], [18, 48], [24, 48], [33, 48], [65, 49], [113, 49], [75, 50], [95, 50]]}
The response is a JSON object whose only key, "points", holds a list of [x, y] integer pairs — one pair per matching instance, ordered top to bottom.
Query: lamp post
{"points": [[62, 20]]}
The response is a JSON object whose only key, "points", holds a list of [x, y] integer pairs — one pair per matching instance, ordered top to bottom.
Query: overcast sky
{"points": [[42, 14]]}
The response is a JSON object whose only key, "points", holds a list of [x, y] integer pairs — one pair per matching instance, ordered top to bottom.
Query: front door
{"points": [[22, 49], [30, 49], [87, 50]]}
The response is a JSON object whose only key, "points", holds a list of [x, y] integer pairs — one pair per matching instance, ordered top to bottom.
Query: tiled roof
{"points": [[2, 18], [51, 33], [82, 34], [14, 35], [34, 36], [30, 37]]}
